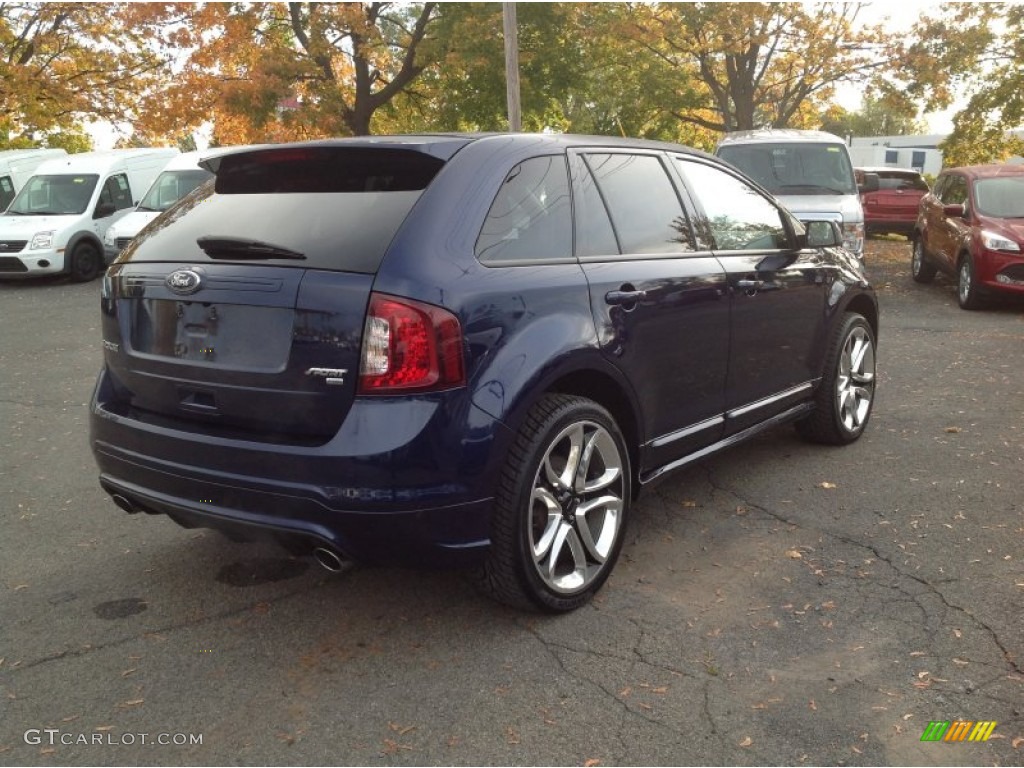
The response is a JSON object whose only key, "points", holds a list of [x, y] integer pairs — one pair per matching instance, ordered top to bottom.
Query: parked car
{"points": [[808, 171], [891, 208], [56, 223], [971, 226], [466, 349]]}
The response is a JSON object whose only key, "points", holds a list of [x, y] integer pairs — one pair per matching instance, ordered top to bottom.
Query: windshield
{"points": [[794, 169], [171, 186], [61, 194], [1002, 197]]}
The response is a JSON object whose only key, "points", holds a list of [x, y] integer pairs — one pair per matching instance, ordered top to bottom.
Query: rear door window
{"points": [[643, 204], [530, 219]]}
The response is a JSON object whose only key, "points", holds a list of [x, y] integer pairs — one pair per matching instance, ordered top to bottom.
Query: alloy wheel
{"points": [[576, 507]]}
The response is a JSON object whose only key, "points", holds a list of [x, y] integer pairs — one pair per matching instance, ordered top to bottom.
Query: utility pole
{"points": [[515, 121]]}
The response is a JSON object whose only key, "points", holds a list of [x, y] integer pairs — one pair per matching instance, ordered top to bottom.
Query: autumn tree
{"points": [[972, 52], [62, 63], [754, 65], [278, 71], [878, 116]]}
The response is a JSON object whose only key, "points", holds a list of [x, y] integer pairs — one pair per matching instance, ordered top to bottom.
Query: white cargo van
{"points": [[17, 165], [808, 171], [179, 177], [57, 221]]}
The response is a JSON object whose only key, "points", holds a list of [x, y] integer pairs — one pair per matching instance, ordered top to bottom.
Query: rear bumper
{"points": [[418, 493]]}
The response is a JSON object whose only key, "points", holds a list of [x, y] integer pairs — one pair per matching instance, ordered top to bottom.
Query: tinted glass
{"points": [[807, 168], [904, 181], [170, 187], [6, 191], [116, 191], [955, 191], [56, 194], [1002, 197], [642, 202], [339, 207], [531, 216], [740, 217], [594, 233]]}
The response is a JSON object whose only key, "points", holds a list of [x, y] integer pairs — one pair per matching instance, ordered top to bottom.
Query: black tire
{"points": [[86, 262], [920, 269], [968, 295], [847, 390], [547, 550]]}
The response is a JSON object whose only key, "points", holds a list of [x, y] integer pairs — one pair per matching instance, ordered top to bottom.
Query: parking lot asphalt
{"points": [[779, 604]]}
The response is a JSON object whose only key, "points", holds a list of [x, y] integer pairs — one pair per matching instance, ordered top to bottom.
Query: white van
{"points": [[17, 165], [809, 172], [179, 177], [57, 221]]}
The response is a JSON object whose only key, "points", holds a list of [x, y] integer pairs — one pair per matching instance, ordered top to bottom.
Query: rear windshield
{"points": [[904, 181], [339, 207]]}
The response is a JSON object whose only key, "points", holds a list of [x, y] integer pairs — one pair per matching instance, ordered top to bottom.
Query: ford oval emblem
{"points": [[183, 281]]}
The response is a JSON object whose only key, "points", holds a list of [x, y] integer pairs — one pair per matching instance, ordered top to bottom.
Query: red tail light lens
{"points": [[409, 347]]}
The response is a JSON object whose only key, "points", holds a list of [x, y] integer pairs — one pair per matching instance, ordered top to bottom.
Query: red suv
{"points": [[892, 207], [971, 226]]}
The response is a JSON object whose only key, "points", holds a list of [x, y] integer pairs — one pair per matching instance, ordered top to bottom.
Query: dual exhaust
{"points": [[328, 558]]}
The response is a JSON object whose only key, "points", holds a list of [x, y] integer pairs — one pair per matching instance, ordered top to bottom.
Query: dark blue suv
{"points": [[466, 349]]}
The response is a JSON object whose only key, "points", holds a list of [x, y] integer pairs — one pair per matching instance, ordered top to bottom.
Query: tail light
{"points": [[409, 347]]}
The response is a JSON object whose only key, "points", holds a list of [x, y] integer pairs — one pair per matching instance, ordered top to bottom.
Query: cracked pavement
{"points": [[778, 604]]}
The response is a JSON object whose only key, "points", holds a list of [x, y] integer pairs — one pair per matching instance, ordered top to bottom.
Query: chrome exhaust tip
{"points": [[123, 503], [331, 560]]}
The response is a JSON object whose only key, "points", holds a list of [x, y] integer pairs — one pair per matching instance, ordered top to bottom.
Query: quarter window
{"points": [[642, 202], [530, 218], [740, 218]]}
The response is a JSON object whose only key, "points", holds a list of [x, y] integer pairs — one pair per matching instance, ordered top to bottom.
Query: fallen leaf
{"points": [[953, 430], [828, 486], [689, 503], [793, 554], [962, 662], [129, 672], [660, 690], [624, 693], [132, 703], [812, 705], [69, 718], [103, 728], [401, 730], [511, 735], [746, 742], [1017, 742], [47, 751], [858, 751], [591, 763]]}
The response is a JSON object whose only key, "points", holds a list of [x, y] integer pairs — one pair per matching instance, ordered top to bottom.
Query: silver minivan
{"points": [[808, 171]]}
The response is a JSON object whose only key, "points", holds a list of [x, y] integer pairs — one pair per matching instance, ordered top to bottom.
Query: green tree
{"points": [[971, 50], [752, 65], [877, 117]]}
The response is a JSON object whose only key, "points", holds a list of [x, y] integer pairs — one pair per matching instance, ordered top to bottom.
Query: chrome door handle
{"points": [[624, 297]]}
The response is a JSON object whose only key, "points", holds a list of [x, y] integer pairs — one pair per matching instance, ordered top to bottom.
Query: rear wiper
{"points": [[243, 248]]}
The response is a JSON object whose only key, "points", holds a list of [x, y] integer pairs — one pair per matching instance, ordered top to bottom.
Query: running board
{"points": [[790, 415]]}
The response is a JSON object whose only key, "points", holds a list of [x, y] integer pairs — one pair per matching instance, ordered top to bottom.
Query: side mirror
{"points": [[870, 183], [104, 209], [956, 209], [820, 234]]}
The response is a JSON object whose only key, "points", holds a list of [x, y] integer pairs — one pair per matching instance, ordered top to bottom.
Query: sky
{"points": [[897, 15]]}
